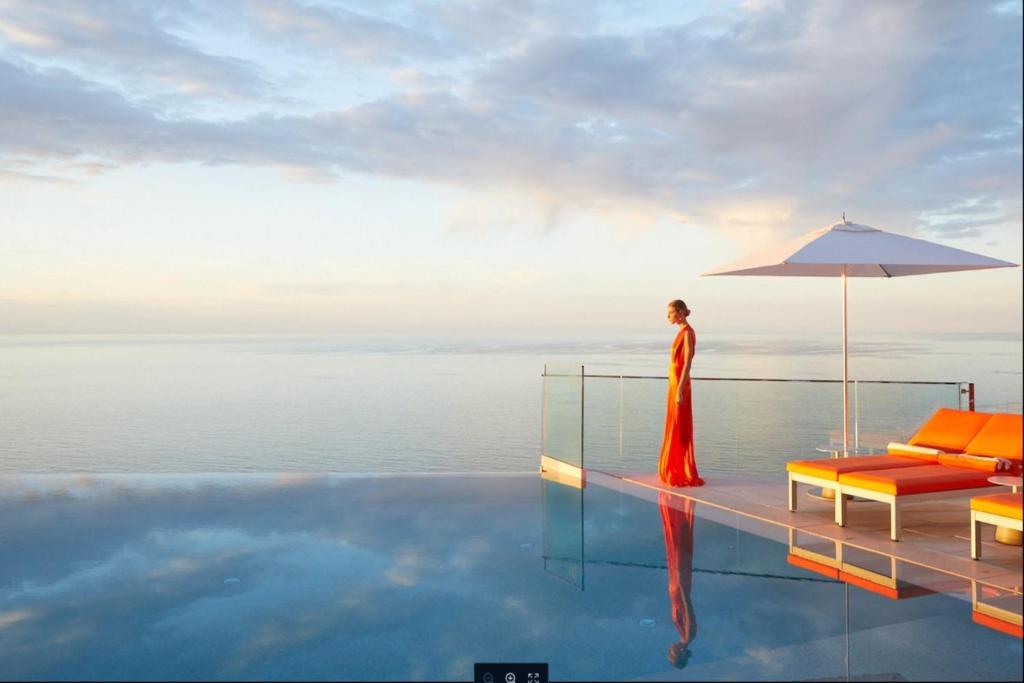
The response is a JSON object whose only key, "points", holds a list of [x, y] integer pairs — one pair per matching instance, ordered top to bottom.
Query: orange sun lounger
{"points": [[947, 431], [952, 475], [1000, 509]]}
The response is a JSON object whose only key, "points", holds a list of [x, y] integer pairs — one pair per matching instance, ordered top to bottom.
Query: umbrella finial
{"points": [[844, 217]]}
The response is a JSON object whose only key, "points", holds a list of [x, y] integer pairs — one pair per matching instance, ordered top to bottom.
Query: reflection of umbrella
{"points": [[851, 250]]}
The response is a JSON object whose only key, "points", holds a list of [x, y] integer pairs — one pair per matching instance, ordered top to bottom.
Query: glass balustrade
{"points": [[562, 417], [745, 427]]}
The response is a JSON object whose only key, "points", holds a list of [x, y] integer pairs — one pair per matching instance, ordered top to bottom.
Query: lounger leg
{"points": [[792, 494], [841, 499], [894, 521], [975, 537]]}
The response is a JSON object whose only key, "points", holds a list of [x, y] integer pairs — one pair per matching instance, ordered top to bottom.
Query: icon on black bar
{"points": [[510, 673]]}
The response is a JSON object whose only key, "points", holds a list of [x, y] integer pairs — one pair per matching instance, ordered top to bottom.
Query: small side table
{"points": [[1006, 535]]}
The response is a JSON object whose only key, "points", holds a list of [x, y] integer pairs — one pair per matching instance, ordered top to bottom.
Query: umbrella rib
{"points": [[887, 274]]}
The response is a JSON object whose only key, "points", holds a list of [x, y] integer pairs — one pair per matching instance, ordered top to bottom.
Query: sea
{"points": [[367, 404]]}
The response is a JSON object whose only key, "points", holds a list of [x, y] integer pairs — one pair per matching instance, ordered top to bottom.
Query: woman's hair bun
{"points": [[680, 306]]}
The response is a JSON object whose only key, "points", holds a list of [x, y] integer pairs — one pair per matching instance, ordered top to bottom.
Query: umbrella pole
{"points": [[846, 372], [830, 494]]}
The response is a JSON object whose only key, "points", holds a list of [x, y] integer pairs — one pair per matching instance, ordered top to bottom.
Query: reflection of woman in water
{"points": [[677, 465], [677, 522]]}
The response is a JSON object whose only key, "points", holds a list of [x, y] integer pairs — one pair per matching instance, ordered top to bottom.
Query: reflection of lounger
{"points": [[947, 431], [953, 475], [1000, 509], [840, 568], [993, 607], [996, 609]]}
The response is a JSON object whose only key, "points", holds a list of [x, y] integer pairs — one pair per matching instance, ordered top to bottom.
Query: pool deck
{"points": [[936, 534]]}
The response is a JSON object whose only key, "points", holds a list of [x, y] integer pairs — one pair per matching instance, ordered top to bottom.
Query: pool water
{"points": [[417, 577]]}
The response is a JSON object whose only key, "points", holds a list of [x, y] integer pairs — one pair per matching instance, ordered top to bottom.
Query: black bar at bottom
{"points": [[510, 673]]}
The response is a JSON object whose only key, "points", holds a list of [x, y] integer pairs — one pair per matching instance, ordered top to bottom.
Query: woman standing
{"points": [[677, 466]]}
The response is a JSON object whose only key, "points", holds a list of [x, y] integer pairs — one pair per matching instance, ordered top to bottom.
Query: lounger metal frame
{"points": [[797, 477], [895, 502], [978, 517]]}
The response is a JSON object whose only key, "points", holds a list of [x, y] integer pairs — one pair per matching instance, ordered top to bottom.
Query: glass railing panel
{"points": [[635, 409], [602, 410], [884, 412], [562, 417], [781, 421], [643, 423], [743, 427], [715, 436], [563, 531]]}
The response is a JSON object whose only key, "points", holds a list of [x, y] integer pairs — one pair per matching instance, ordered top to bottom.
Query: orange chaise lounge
{"points": [[947, 431], [953, 475]]}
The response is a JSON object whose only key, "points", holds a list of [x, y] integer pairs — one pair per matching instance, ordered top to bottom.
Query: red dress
{"points": [[677, 466], [677, 523]]}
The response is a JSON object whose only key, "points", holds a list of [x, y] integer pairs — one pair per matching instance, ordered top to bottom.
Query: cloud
{"points": [[354, 36], [131, 42], [804, 109], [8, 175], [968, 219]]}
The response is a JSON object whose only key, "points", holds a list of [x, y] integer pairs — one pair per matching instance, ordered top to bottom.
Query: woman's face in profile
{"points": [[674, 317]]}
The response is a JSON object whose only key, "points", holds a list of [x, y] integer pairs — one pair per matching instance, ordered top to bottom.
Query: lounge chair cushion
{"points": [[950, 430], [1001, 437], [917, 452], [976, 462], [831, 468], [922, 479], [1002, 504]]}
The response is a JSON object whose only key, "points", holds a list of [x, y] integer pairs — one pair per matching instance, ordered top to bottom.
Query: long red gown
{"points": [[677, 465], [677, 523]]}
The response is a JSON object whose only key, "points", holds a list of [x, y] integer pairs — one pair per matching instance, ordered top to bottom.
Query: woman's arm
{"points": [[684, 377]]}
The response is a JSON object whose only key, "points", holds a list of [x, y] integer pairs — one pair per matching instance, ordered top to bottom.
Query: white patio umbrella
{"points": [[851, 250]]}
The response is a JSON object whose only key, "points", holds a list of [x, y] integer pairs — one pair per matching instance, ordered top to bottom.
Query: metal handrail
{"points": [[754, 379]]}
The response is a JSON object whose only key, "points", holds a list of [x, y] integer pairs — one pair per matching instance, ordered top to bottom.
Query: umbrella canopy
{"points": [[852, 250], [862, 250]]}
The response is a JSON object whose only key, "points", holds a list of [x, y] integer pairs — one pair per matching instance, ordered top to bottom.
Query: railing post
{"points": [[621, 391], [970, 395], [544, 412], [856, 416], [583, 431]]}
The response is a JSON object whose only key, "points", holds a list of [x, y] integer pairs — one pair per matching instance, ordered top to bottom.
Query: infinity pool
{"points": [[331, 577]]}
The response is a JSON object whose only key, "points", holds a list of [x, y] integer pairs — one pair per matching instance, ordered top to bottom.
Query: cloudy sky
{"points": [[290, 166]]}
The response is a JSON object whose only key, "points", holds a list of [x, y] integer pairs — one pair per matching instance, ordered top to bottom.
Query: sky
{"points": [[286, 166]]}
